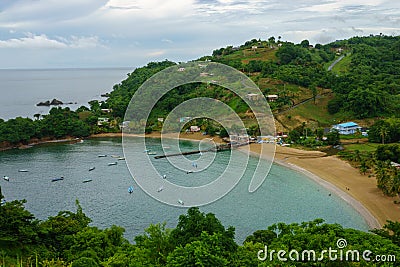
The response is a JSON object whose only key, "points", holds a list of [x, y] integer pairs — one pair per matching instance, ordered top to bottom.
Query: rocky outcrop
{"points": [[48, 103]]}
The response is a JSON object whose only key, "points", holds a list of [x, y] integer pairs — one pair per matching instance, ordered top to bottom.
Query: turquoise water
{"points": [[285, 196]]}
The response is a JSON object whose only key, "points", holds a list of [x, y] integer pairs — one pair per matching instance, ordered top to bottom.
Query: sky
{"points": [[131, 33]]}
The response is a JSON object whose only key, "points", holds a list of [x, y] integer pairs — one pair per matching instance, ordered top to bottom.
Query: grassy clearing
{"points": [[247, 55], [342, 66], [309, 112], [367, 147]]}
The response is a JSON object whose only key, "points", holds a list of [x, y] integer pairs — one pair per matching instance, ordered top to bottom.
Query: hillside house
{"points": [[253, 97], [272, 98], [102, 121], [347, 127]]}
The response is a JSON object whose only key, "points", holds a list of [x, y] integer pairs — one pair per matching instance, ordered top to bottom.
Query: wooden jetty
{"points": [[219, 148]]}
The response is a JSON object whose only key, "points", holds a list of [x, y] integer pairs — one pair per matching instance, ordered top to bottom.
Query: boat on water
{"points": [[146, 150], [151, 153], [102, 156], [115, 156], [121, 158], [112, 163], [91, 169], [22, 170], [164, 176], [6, 178], [57, 179], [87, 181], [130, 189], [181, 202]]}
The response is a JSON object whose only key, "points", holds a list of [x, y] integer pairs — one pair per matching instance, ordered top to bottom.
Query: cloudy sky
{"points": [[128, 33]]}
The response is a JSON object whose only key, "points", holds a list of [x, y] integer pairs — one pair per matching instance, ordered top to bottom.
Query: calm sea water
{"points": [[21, 90], [285, 196]]}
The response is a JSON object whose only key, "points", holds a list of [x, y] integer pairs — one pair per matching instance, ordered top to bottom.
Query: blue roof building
{"points": [[347, 127]]}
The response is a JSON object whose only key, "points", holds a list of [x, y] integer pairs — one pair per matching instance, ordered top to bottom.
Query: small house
{"points": [[253, 97], [272, 98], [102, 121], [347, 128], [194, 129]]}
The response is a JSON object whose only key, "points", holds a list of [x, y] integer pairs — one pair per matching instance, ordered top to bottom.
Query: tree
{"points": [[333, 138], [191, 226], [208, 250]]}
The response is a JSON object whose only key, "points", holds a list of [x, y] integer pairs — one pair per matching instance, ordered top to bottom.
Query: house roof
{"points": [[348, 124]]}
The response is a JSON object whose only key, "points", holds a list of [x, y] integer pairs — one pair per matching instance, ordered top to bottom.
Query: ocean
{"points": [[21, 90]]}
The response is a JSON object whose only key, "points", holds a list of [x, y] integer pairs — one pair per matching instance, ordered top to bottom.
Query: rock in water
{"points": [[56, 102]]}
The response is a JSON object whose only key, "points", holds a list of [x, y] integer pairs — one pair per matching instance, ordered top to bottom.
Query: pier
{"points": [[218, 148]]}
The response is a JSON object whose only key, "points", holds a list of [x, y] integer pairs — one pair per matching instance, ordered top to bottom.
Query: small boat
{"points": [[146, 150], [151, 153], [102, 156], [115, 156], [121, 158], [112, 163], [91, 169], [22, 170], [189, 172], [164, 176], [6, 178], [57, 179], [87, 181], [161, 188], [130, 189], [3, 201], [180, 202]]}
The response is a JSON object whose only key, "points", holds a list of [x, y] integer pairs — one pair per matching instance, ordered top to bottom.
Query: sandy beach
{"points": [[336, 175], [340, 178]]}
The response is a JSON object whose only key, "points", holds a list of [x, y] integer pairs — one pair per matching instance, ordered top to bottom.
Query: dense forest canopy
{"points": [[199, 239]]}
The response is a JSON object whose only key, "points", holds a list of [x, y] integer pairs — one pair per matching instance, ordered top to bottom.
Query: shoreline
{"points": [[336, 175], [339, 177]]}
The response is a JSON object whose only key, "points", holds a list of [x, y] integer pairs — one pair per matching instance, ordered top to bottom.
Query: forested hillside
{"points": [[363, 85]]}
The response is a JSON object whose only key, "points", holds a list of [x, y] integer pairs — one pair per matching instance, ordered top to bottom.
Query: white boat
{"points": [[151, 153], [102, 156], [115, 156], [121, 158], [112, 163], [92, 168], [22, 170], [164, 176], [6, 178], [87, 181], [161, 188], [3, 201], [180, 202]]}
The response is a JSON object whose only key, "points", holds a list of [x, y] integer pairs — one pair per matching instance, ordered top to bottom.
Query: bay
{"points": [[22, 89], [285, 196]]}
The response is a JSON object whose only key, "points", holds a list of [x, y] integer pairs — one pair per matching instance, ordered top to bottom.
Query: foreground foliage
{"points": [[199, 239]]}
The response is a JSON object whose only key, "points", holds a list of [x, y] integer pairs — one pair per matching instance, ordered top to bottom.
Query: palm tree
{"points": [[383, 131]]}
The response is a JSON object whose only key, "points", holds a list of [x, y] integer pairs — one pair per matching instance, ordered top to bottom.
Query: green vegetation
{"points": [[364, 84], [199, 239]]}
